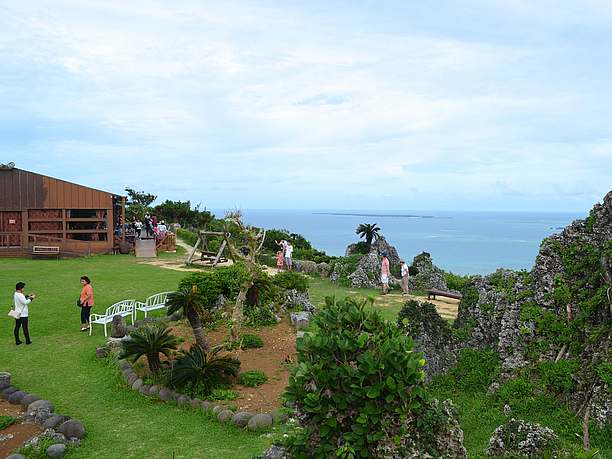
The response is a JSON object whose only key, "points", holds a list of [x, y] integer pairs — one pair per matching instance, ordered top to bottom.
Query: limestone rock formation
{"points": [[427, 274], [118, 329], [518, 438]]}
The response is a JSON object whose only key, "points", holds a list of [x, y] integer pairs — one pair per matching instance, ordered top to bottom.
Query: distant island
{"points": [[348, 214]]}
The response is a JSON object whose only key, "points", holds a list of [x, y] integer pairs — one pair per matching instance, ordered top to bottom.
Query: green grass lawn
{"points": [[61, 366]]}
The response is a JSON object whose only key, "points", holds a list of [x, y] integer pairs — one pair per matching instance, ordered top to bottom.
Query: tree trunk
{"points": [[368, 243], [238, 314], [198, 331], [154, 363], [586, 441]]}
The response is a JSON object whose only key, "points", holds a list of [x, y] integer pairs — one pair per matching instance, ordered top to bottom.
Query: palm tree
{"points": [[369, 232], [190, 302], [149, 341]]}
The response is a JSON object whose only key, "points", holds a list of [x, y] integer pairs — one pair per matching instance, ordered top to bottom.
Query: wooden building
{"points": [[36, 210]]}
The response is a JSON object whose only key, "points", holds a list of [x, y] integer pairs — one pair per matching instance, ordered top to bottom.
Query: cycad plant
{"points": [[369, 231], [192, 304], [150, 341], [206, 370]]}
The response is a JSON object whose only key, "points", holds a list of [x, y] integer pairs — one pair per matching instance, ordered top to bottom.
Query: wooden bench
{"points": [[45, 251], [432, 293], [157, 301], [123, 308]]}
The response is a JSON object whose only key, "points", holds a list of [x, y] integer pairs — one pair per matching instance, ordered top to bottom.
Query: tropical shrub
{"points": [[369, 232], [187, 236], [361, 247], [289, 280], [455, 281], [194, 305], [149, 341], [251, 341], [475, 370], [203, 371], [557, 376], [252, 378], [357, 380], [222, 394]]}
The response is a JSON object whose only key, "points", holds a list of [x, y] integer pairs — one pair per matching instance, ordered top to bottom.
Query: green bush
{"points": [[187, 236], [288, 280], [224, 281], [455, 281], [259, 315], [251, 341], [475, 369], [203, 371], [604, 371], [353, 374], [557, 376], [252, 378], [515, 391], [222, 394], [6, 421]]}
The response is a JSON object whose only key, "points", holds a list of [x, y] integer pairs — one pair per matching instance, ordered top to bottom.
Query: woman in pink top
{"points": [[384, 273], [86, 300]]}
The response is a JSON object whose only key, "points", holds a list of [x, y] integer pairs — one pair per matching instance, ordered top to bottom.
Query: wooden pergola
{"points": [[207, 256]]}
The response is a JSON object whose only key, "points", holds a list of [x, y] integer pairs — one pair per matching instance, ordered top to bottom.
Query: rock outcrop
{"points": [[426, 274], [559, 314], [518, 438]]}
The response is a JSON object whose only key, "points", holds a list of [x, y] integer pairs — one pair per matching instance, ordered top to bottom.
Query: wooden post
{"points": [[223, 244]]}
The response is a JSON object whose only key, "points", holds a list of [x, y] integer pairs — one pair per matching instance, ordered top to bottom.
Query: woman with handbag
{"points": [[86, 302], [20, 313]]}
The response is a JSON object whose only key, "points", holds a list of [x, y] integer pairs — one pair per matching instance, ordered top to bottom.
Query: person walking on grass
{"points": [[288, 256], [405, 272], [384, 273], [86, 301], [20, 303]]}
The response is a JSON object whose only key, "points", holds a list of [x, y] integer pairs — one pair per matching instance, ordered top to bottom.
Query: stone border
{"points": [[242, 419], [64, 430]]}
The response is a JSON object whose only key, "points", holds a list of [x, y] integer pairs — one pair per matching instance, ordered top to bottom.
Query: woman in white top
{"points": [[405, 272], [20, 303]]}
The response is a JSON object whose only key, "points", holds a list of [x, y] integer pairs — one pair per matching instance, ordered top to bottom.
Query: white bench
{"points": [[45, 250], [157, 301], [124, 308]]}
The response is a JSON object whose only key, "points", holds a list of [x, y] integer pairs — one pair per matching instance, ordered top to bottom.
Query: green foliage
{"points": [[137, 204], [181, 212], [369, 232], [188, 236], [361, 247], [302, 249], [345, 266], [288, 280], [224, 281], [455, 281], [197, 290], [470, 296], [413, 314], [259, 315], [464, 331], [149, 341], [251, 341], [475, 369], [206, 370], [355, 370], [604, 371], [557, 376], [252, 378], [516, 391], [222, 394], [6, 421], [40, 450]]}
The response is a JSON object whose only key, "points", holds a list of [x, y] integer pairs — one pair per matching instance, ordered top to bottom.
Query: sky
{"points": [[471, 105]]}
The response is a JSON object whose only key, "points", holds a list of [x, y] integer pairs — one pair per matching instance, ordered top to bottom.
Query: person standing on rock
{"points": [[405, 272], [384, 273], [86, 301], [20, 304]]}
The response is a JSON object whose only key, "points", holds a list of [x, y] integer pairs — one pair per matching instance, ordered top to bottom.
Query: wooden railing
{"points": [[12, 240], [167, 244]]}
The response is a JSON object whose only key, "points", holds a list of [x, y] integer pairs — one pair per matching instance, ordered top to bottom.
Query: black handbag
{"points": [[78, 303]]}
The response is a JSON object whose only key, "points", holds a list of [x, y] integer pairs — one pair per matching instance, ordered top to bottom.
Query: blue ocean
{"points": [[461, 242]]}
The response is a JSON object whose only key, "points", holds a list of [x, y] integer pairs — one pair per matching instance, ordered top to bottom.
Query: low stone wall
{"points": [[242, 419], [64, 431]]}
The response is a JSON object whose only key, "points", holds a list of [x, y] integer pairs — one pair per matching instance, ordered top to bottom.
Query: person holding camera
{"points": [[20, 304]]}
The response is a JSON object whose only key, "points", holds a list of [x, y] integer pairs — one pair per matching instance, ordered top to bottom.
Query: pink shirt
{"points": [[385, 266]]}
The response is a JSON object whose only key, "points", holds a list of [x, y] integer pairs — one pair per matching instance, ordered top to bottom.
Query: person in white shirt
{"points": [[163, 229], [288, 255], [405, 272], [20, 303]]}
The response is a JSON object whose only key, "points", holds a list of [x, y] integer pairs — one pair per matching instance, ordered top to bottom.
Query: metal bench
{"points": [[45, 251], [432, 293], [157, 301], [123, 308]]}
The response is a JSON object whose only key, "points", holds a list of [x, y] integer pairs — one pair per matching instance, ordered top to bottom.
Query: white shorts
{"points": [[384, 278]]}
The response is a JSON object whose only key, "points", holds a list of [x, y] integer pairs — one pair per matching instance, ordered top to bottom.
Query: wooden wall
{"points": [[21, 190]]}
